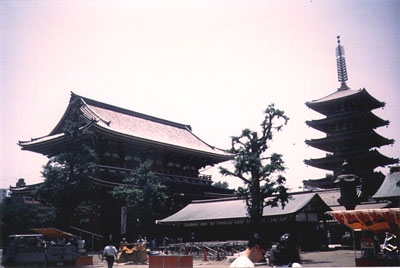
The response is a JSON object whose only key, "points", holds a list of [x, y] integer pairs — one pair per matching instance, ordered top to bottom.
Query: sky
{"points": [[215, 65]]}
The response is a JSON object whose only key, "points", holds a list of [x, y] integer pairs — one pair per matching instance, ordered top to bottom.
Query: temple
{"points": [[349, 125], [127, 138]]}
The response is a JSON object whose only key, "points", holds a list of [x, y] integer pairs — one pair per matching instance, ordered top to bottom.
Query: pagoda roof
{"points": [[323, 105], [365, 119], [129, 126], [367, 139], [370, 158], [323, 183], [233, 208]]}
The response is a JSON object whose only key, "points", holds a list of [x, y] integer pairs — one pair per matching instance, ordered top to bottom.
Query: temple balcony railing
{"points": [[117, 174]]}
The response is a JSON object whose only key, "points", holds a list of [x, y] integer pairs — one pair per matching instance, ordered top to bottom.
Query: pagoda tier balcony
{"points": [[344, 122], [350, 141], [366, 160], [116, 175]]}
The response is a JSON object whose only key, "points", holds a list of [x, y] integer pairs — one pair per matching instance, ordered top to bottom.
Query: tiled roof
{"points": [[337, 95], [132, 125], [150, 130], [390, 187], [331, 196], [233, 209]]}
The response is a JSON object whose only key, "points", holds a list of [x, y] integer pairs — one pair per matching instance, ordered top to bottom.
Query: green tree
{"points": [[260, 173], [67, 184], [221, 184], [144, 196], [20, 218]]}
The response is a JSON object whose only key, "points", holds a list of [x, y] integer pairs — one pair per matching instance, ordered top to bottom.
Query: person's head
{"points": [[258, 246]]}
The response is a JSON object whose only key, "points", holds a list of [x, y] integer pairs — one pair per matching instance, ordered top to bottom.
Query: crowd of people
{"points": [[285, 253]]}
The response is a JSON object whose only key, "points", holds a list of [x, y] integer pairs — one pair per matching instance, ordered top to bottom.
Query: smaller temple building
{"points": [[226, 219]]}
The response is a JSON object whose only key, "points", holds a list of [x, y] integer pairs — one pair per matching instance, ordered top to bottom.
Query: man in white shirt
{"points": [[255, 251], [110, 253]]}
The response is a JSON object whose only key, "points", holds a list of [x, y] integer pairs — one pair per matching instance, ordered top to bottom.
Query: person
{"points": [[141, 240], [123, 242], [390, 245], [256, 248], [110, 253], [287, 253]]}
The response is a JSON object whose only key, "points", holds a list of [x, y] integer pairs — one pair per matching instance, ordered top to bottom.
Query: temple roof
{"points": [[335, 95], [326, 104], [364, 120], [130, 126], [365, 140], [370, 159], [323, 183], [390, 188], [24, 189], [330, 197], [233, 208]]}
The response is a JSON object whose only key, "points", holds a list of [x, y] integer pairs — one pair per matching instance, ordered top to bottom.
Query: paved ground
{"points": [[331, 258]]}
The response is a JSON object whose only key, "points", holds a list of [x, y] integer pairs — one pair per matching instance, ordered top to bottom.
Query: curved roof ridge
{"points": [[343, 93], [339, 94], [130, 112], [93, 113], [54, 131], [53, 136], [160, 142], [217, 200]]}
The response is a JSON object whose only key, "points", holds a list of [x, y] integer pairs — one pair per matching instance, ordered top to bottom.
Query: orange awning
{"points": [[374, 220], [53, 232]]}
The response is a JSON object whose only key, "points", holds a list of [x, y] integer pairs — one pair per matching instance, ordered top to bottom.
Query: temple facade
{"points": [[349, 125], [126, 139]]}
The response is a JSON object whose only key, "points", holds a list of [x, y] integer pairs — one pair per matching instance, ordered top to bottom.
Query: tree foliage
{"points": [[260, 173], [221, 184], [66, 185], [144, 196], [20, 218]]}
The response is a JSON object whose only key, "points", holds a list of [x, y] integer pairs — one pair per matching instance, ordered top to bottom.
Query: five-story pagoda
{"points": [[349, 126]]}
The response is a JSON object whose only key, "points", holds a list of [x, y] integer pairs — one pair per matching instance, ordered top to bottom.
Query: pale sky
{"points": [[215, 65]]}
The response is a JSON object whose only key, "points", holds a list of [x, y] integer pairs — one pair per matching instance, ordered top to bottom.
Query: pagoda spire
{"points": [[341, 66]]}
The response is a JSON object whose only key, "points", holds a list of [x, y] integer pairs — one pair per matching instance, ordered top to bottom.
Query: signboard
{"points": [[123, 220]]}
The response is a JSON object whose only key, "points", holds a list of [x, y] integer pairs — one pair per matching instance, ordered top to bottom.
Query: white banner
{"points": [[123, 220]]}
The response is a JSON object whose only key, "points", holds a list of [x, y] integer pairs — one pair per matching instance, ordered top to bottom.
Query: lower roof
{"points": [[390, 187], [233, 208]]}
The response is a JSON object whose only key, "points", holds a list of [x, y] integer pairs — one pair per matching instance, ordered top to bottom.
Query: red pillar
{"points": [[204, 254]]}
